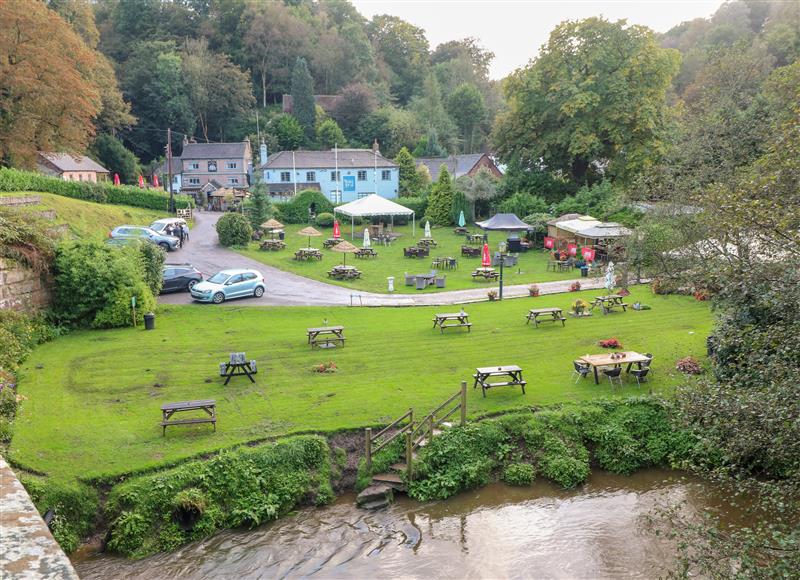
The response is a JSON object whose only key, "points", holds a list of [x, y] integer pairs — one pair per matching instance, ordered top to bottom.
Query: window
{"points": [[231, 165], [194, 166], [212, 166], [336, 175], [362, 175], [386, 175], [286, 176], [311, 176], [233, 180], [194, 181], [336, 196], [249, 276], [234, 279]]}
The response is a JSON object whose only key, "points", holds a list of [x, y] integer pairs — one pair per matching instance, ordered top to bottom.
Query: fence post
{"points": [[463, 403], [411, 416], [430, 428], [368, 448], [409, 455]]}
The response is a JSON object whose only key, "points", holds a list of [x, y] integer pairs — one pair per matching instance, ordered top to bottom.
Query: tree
{"points": [[403, 49], [48, 94], [593, 101], [357, 102], [303, 105], [466, 108], [429, 109], [392, 128], [287, 132], [329, 134], [428, 146], [112, 155], [410, 183], [480, 190], [440, 200], [460, 204], [258, 208], [233, 229]]}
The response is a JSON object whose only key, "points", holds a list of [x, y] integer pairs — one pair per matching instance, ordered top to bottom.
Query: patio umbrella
{"points": [[116, 179], [141, 181], [155, 181], [461, 221], [272, 224], [427, 229], [309, 231], [337, 233], [367, 242], [346, 248], [486, 259], [610, 278]]}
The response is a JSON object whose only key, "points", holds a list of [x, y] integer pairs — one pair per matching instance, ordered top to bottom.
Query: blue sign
{"points": [[349, 183]]}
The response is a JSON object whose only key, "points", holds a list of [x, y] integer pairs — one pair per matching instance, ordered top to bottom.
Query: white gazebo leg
{"points": [[352, 227]]}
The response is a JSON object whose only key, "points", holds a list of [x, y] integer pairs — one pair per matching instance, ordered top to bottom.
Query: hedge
{"points": [[16, 180], [296, 210]]}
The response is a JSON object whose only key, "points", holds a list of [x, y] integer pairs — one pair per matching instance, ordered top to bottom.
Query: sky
{"points": [[515, 29]]}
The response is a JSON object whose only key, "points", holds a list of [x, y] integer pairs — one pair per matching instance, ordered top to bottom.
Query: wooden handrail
{"points": [[447, 402], [409, 413], [394, 436]]}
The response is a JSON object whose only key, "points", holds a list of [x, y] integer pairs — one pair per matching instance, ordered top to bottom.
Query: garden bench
{"points": [[209, 406]]}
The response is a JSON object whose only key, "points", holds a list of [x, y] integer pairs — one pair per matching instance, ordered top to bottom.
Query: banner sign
{"points": [[349, 182], [549, 242], [572, 249], [588, 254]]}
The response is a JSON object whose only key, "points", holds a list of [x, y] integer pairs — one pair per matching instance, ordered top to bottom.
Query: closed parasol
{"points": [[461, 221], [427, 229], [337, 232], [367, 241], [486, 259]]}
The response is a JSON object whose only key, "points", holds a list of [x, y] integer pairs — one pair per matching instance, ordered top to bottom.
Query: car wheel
{"points": [[164, 246], [190, 285], [259, 291], [219, 298]]}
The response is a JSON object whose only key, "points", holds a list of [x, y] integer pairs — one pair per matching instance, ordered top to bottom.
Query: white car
{"points": [[161, 225], [227, 284]]}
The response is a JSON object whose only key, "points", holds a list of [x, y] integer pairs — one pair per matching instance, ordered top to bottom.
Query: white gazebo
{"points": [[374, 205]]}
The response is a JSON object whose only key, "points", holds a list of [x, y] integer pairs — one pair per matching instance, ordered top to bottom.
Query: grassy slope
{"points": [[89, 220], [390, 261], [94, 396]]}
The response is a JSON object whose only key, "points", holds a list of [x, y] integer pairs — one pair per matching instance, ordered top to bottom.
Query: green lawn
{"points": [[88, 220], [391, 262], [93, 397]]}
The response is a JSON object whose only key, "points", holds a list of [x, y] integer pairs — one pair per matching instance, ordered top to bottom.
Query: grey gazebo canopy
{"points": [[506, 222]]}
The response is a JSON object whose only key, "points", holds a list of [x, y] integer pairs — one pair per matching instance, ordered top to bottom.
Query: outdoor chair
{"points": [[410, 280], [440, 281], [422, 283], [646, 364], [581, 369], [614, 374], [641, 375]]}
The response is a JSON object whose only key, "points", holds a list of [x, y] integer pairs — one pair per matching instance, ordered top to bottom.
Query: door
{"points": [[169, 280], [249, 283], [235, 286]]}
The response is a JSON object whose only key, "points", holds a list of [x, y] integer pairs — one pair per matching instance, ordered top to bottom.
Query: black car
{"points": [[180, 277]]}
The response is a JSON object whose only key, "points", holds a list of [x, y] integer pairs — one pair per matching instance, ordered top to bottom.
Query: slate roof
{"points": [[216, 150], [348, 159], [67, 162], [457, 165], [177, 167]]}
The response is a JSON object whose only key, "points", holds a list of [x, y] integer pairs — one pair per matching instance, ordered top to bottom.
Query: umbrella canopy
{"points": [[116, 179], [141, 181], [155, 181], [461, 221], [504, 222], [272, 224], [427, 229], [309, 231], [337, 233], [367, 241], [345, 248], [486, 259], [610, 278]]}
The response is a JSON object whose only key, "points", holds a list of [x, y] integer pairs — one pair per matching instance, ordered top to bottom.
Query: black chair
{"points": [[646, 364], [581, 369], [614, 374], [641, 375]]}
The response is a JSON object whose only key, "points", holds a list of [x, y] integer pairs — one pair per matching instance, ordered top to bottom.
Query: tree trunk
{"points": [[263, 88], [579, 170]]}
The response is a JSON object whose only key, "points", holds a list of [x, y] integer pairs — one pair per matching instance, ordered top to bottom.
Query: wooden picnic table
{"points": [[459, 231], [475, 238], [330, 242], [427, 243], [272, 245], [416, 252], [470, 252], [365, 253], [308, 254], [447, 263], [559, 266], [344, 273], [485, 273], [608, 303], [545, 315], [450, 320], [326, 336], [605, 360], [238, 369], [512, 374], [169, 409]]}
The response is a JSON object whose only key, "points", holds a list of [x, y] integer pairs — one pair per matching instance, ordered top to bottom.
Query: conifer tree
{"points": [[303, 106]]}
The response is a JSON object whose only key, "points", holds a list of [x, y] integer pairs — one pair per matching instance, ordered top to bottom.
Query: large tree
{"points": [[403, 49], [594, 99], [357, 101], [304, 108], [466, 108], [410, 180], [440, 200]]}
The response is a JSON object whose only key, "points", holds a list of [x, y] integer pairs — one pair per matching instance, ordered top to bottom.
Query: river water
{"points": [[596, 531]]}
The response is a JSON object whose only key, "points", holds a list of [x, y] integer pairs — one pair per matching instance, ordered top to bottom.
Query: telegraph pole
{"points": [[169, 170]]}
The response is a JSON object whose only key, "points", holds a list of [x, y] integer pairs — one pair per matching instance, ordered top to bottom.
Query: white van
{"points": [[161, 225]]}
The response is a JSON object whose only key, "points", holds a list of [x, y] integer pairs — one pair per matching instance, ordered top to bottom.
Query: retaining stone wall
{"points": [[23, 289]]}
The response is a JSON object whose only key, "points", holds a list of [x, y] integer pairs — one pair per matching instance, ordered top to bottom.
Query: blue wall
{"points": [[388, 189]]}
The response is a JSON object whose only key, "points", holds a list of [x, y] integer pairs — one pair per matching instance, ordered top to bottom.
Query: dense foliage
{"points": [[440, 200], [296, 211], [234, 229], [24, 239], [19, 334]]}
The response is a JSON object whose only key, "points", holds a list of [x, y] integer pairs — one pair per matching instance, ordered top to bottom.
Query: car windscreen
{"points": [[158, 227], [218, 278]]}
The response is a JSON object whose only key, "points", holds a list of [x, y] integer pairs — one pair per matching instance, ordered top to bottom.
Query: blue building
{"points": [[342, 175]]}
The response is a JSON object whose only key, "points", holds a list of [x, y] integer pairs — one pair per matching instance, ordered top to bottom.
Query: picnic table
{"points": [[459, 231], [386, 238], [475, 238], [330, 242], [427, 243], [272, 245], [416, 252], [366, 253], [308, 254], [447, 263], [558, 266], [344, 273], [485, 273], [608, 303], [545, 315], [450, 320], [326, 336], [605, 360], [238, 366], [512, 374], [169, 409]]}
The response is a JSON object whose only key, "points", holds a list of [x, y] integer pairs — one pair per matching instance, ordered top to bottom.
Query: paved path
{"points": [[287, 289]]}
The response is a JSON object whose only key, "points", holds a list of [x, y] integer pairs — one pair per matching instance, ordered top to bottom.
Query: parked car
{"points": [[161, 225], [169, 243], [180, 277], [227, 284]]}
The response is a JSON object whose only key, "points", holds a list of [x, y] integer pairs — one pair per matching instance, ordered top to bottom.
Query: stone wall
{"points": [[23, 289]]}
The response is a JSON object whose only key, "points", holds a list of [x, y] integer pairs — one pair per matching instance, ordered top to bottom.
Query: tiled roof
{"points": [[216, 150], [347, 159], [67, 162], [457, 165]]}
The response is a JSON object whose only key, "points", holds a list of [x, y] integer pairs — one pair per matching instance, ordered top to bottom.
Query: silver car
{"points": [[168, 243]]}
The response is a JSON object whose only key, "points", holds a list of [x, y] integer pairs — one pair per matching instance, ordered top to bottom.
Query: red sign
{"points": [[337, 233], [549, 242], [572, 249], [588, 254]]}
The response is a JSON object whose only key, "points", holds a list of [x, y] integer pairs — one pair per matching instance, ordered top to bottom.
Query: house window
{"points": [[231, 165], [194, 166], [212, 166], [336, 175], [362, 175], [386, 175], [286, 176], [311, 176], [233, 180], [194, 181], [336, 196]]}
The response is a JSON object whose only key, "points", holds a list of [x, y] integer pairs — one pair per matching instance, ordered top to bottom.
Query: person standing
{"points": [[185, 231]]}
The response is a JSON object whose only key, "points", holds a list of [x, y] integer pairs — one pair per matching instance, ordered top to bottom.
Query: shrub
{"points": [[417, 204], [523, 204], [296, 210], [324, 219], [233, 229], [24, 239], [152, 258], [575, 286], [533, 290], [492, 294], [701, 295], [579, 307], [118, 310], [19, 333], [610, 343], [689, 365], [326, 367], [8, 404], [6, 430], [520, 474]]}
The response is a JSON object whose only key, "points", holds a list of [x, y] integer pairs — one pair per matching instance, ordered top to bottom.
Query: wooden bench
{"points": [[545, 315], [457, 319], [326, 336], [238, 367], [512, 373], [209, 406]]}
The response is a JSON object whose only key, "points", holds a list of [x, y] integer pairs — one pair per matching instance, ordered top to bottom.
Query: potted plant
{"points": [[575, 286], [533, 290], [492, 294], [580, 308]]}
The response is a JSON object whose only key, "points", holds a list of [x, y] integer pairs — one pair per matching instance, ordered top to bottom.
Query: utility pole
{"points": [[169, 170]]}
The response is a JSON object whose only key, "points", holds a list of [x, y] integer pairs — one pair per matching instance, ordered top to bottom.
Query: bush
{"points": [[417, 204], [523, 204], [296, 210], [324, 219], [234, 229], [25, 239], [153, 258], [575, 286], [118, 310], [19, 333], [610, 343], [689, 365], [8, 404], [6, 430], [519, 474]]}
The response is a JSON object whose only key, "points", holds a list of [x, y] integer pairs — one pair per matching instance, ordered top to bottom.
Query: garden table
{"points": [[272, 245], [366, 253], [308, 254], [344, 273], [485, 273], [608, 303], [546, 315], [451, 320], [326, 336], [605, 360], [238, 366], [512, 374], [169, 409]]}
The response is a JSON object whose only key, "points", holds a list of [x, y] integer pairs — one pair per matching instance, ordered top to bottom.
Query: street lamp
{"points": [[502, 256]]}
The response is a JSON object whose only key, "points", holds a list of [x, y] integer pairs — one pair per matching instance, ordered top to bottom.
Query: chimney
{"points": [[375, 148], [262, 152]]}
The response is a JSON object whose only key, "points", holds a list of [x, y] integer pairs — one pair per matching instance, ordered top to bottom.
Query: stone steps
{"points": [[375, 496]]}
